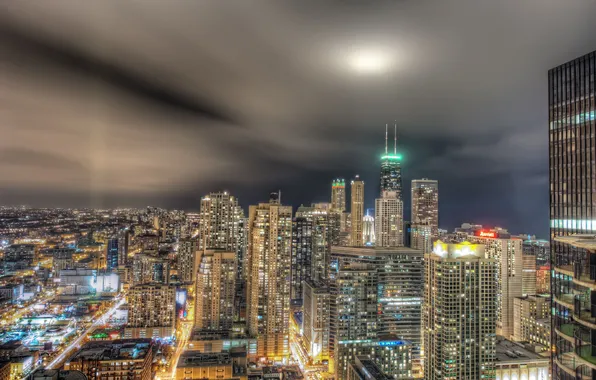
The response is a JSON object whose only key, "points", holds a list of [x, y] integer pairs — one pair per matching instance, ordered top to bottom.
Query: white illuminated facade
{"points": [[357, 212], [389, 223], [459, 312]]}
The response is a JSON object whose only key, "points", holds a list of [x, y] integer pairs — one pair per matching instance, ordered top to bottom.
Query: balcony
{"points": [[565, 300], [584, 311]]}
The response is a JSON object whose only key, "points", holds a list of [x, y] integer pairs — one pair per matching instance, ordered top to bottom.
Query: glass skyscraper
{"points": [[572, 156], [391, 169]]}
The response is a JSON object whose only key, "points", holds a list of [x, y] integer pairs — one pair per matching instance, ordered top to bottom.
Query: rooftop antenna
{"points": [[386, 126], [395, 140]]}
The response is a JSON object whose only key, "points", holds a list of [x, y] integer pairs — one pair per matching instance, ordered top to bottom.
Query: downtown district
{"points": [[325, 292]]}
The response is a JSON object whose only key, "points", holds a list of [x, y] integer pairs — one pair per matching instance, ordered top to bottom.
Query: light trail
{"points": [[186, 328], [77, 342]]}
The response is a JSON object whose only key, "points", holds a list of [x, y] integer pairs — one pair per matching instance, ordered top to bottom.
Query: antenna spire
{"points": [[386, 138], [395, 140]]}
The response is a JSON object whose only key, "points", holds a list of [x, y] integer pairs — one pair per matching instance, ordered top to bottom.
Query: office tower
{"points": [[572, 121], [391, 169], [338, 195], [357, 212], [425, 213], [221, 219], [389, 221], [369, 230], [311, 245], [302, 247], [539, 249], [507, 251], [112, 254], [188, 259], [528, 273], [543, 279], [268, 285], [215, 290], [375, 293], [152, 311], [459, 312], [316, 321], [122, 358]]}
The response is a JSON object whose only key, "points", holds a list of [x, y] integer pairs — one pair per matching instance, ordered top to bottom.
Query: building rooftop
{"points": [[586, 241], [121, 349], [512, 352], [202, 359], [368, 369], [54, 374]]}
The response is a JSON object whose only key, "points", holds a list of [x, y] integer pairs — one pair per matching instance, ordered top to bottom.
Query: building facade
{"points": [[391, 170], [338, 195], [357, 212], [425, 213], [389, 221], [188, 259], [268, 283], [215, 290], [152, 306], [459, 312]]}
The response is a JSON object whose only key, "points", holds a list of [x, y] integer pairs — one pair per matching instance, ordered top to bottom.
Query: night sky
{"points": [[136, 103]]}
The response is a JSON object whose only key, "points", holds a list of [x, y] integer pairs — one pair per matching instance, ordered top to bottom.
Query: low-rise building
{"points": [[513, 361], [195, 364]]}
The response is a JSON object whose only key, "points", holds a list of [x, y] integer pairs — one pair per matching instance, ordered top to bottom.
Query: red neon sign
{"points": [[488, 234]]}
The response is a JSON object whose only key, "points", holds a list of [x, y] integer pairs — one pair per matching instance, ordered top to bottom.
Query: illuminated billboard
{"points": [[487, 234]]}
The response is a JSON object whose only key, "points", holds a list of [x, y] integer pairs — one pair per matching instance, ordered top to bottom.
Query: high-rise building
{"points": [[572, 121], [391, 169], [338, 195], [357, 212], [425, 213], [389, 221], [220, 225], [369, 230], [123, 243], [302, 247], [507, 251], [112, 254], [188, 259], [150, 268], [528, 273], [268, 282], [215, 290], [375, 292], [152, 311], [459, 312], [316, 321], [531, 321], [364, 368]]}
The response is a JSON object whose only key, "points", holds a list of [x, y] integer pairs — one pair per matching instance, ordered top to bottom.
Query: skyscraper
{"points": [[572, 124], [391, 169], [338, 195], [357, 212], [425, 213], [389, 221], [220, 223], [369, 230], [302, 247], [112, 253], [188, 259], [268, 282], [215, 290], [459, 313]]}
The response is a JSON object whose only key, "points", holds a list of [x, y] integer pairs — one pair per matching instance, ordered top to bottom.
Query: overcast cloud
{"points": [[126, 103]]}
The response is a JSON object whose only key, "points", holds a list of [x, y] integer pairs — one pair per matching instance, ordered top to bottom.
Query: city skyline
{"points": [[271, 117]]}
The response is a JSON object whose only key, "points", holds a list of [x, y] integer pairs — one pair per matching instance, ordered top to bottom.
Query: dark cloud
{"points": [[157, 102]]}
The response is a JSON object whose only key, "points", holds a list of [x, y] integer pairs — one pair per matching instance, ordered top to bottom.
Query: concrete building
{"points": [[357, 212], [425, 213], [389, 220], [188, 259], [150, 268], [528, 273], [268, 288], [215, 290], [152, 310], [459, 312], [530, 316], [316, 321], [123, 358], [514, 361], [215, 365], [364, 368]]}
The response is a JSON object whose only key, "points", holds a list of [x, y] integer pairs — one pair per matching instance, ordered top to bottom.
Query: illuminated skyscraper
{"points": [[572, 124], [391, 169], [338, 195], [357, 212], [425, 213], [389, 221], [220, 224], [369, 230], [302, 247], [112, 253], [188, 259], [268, 282], [215, 290], [152, 311], [459, 313]]}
